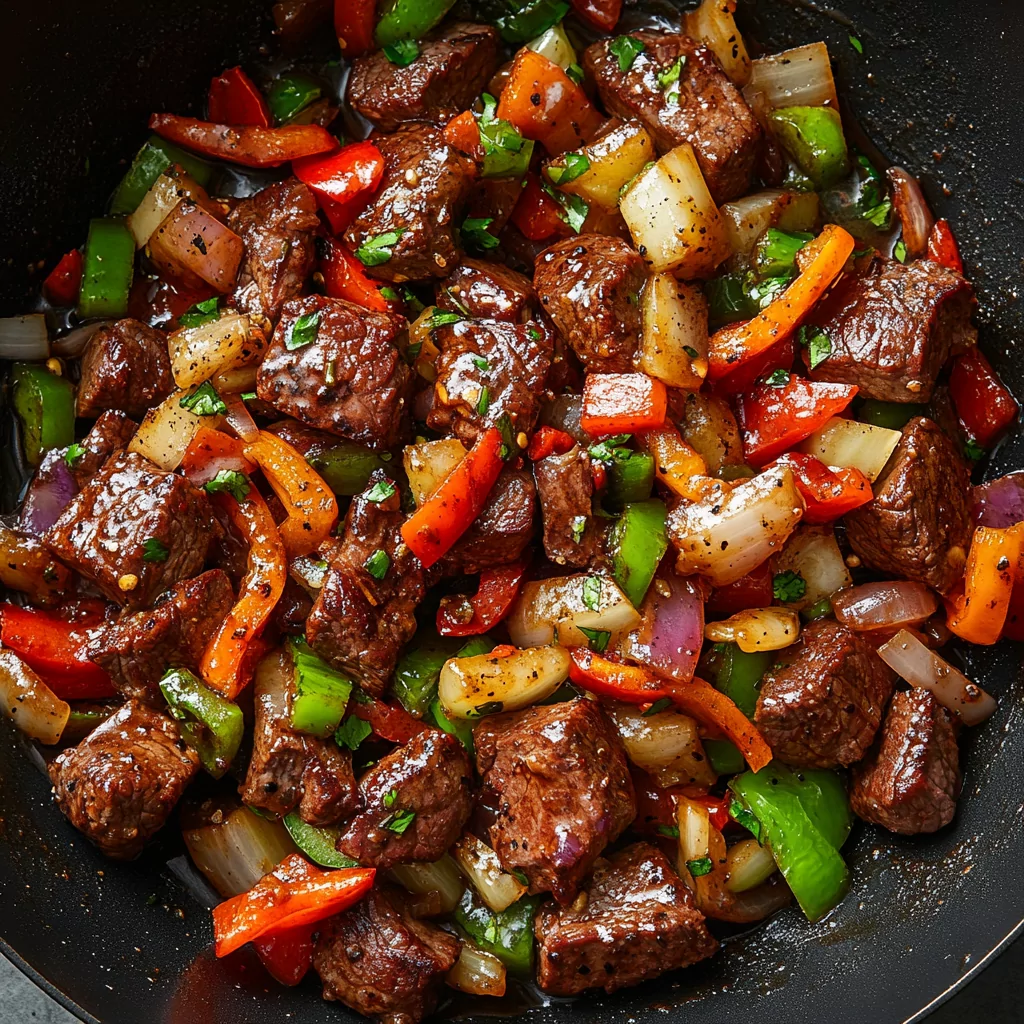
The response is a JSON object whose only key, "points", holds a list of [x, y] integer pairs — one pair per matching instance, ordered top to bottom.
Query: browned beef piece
{"points": [[452, 69], [710, 114], [423, 194], [494, 199], [278, 226], [590, 286], [487, 291], [893, 328], [125, 366], [490, 370], [350, 380], [110, 433], [919, 524], [134, 530], [572, 535], [359, 623], [140, 647], [822, 702], [559, 779], [910, 780], [120, 784], [415, 802], [638, 921], [379, 960]]}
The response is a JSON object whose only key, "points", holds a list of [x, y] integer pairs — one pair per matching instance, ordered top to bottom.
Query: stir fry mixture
{"points": [[514, 483]]}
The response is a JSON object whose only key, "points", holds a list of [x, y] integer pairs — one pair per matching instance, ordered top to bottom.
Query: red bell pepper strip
{"points": [[602, 14], [354, 22], [234, 99], [463, 133], [245, 145], [342, 181], [536, 214], [942, 247], [346, 278], [63, 282], [746, 375], [622, 403], [983, 403], [774, 419], [549, 441], [211, 452], [828, 492], [438, 523], [753, 591], [491, 603], [388, 721], [718, 809], [272, 904], [287, 953]]}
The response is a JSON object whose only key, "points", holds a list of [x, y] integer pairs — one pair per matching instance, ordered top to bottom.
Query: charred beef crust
{"points": [[452, 69], [711, 113], [423, 195], [590, 286], [487, 291], [893, 328], [125, 367], [350, 380], [110, 433], [566, 489], [918, 526], [104, 530], [822, 704], [559, 779], [910, 780], [120, 784], [638, 921], [379, 960]]}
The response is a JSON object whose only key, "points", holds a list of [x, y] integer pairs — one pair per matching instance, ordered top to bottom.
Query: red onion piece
{"points": [[912, 210], [239, 419], [49, 493], [1000, 503], [889, 605], [671, 632]]}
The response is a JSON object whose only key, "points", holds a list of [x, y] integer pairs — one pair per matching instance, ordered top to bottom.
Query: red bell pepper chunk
{"points": [[602, 14], [354, 22], [234, 99], [245, 145], [342, 181], [536, 214], [942, 247], [345, 278], [64, 281], [746, 375], [622, 403], [983, 403], [774, 419], [549, 441], [829, 492], [753, 591], [490, 604], [388, 721], [718, 809]]}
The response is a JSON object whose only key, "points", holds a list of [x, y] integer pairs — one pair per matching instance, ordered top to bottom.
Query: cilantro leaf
{"points": [[856, 43], [626, 48], [402, 52], [572, 166], [574, 209], [475, 235], [377, 250], [899, 251], [201, 313], [304, 331], [817, 343], [777, 379], [204, 401], [611, 449], [973, 450], [73, 454], [230, 481], [380, 491], [578, 525], [155, 550], [377, 564], [788, 586], [592, 592], [596, 638], [658, 706], [351, 733], [399, 821], [670, 831], [700, 866]]}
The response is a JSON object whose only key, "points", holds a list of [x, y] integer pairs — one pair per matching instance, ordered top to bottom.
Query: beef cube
{"points": [[453, 67], [708, 111], [423, 194], [494, 199], [278, 226], [590, 286], [488, 291], [893, 328], [126, 367], [490, 371], [350, 380], [110, 433], [919, 524], [134, 530], [572, 536], [359, 623], [140, 647], [821, 704], [559, 779], [910, 780], [120, 784], [415, 802], [638, 921], [381, 961]]}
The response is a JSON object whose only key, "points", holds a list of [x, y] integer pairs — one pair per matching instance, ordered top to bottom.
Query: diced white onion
{"points": [[714, 24], [554, 44], [801, 77], [615, 158], [163, 196], [748, 218], [24, 338], [74, 343], [674, 345], [199, 353], [710, 429], [165, 431], [851, 443], [428, 464], [813, 553], [888, 605], [757, 629], [29, 703], [666, 745], [694, 834], [479, 863], [748, 864], [441, 877], [477, 972]]}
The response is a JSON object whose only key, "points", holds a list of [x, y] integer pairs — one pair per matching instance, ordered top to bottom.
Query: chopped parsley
{"points": [[856, 43], [626, 48], [402, 52], [669, 80], [506, 153], [573, 165], [873, 204], [574, 209], [475, 235], [379, 249], [899, 251], [201, 313], [442, 318], [304, 331], [533, 332], [817, 343], [481, 363], [777, 378], [204, 401], [484, 401], [611, 449], [973, 450], [73, 455], [229, 481], [380, 491], [578, 524], [155, 550], [377, 564], [788, 586], [592, 592], [596, 638], [658, 706], [351, 733], [390, 799], [743, 817], [399, 821], [669, 831], [700, 866]]}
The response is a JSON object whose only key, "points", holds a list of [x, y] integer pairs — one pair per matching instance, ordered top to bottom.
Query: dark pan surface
{"points": [[938, 89]]}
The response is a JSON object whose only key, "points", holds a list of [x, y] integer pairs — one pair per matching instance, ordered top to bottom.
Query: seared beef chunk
{"points": [[452, 69], [708, 111], [425, 187], [278, 226], [590, 285], [487, 291], [893, 328], [125, 366], [489, 370], [349, 379], [110, 433], [919, 525], [134, 530], [572, 536], [359, 623], [139, 648], [821, 704], [559, 779], [910, 781], [120, 784], [415, 802], [638, 921], [379, 960]]}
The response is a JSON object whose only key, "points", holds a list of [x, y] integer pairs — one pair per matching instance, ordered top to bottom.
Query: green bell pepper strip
{"points": [[531, 18], [409, 19], [291, 94], [813, 138], [150, 162], [775, 251], [107, 269], [45, 406], [894, 415], [346, 467], [630, 479], [638, 544], [419, 668], [737, 673], [321, 693], [84, 718], [212, 724], [458, 727], [723, 756], [823, 797], [317, 843], [508, 935]]}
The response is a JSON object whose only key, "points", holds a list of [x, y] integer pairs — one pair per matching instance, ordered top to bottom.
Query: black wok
{"points": [[938, 89]]}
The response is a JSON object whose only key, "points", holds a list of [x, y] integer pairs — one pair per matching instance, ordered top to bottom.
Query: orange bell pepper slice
{"points": [[463, 133], [622, 403], [211, 452], [676, 464], [979, 613]]}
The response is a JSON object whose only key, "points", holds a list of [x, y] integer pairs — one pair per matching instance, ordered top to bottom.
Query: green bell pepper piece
{"points": [[409, 19], [530, 19], [291, 94], [813, 138], [155, 156], [775, 251], [107, 269], [45, 406], [894, 415], [346, 467], [630, 479], [638, 544], [818, 610], [419, 668], [737, 674], [321, 692], [84, 717], [209, 722], [458, 727], [723, 756], [822, 795], [317, 843], [508, 935]]}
